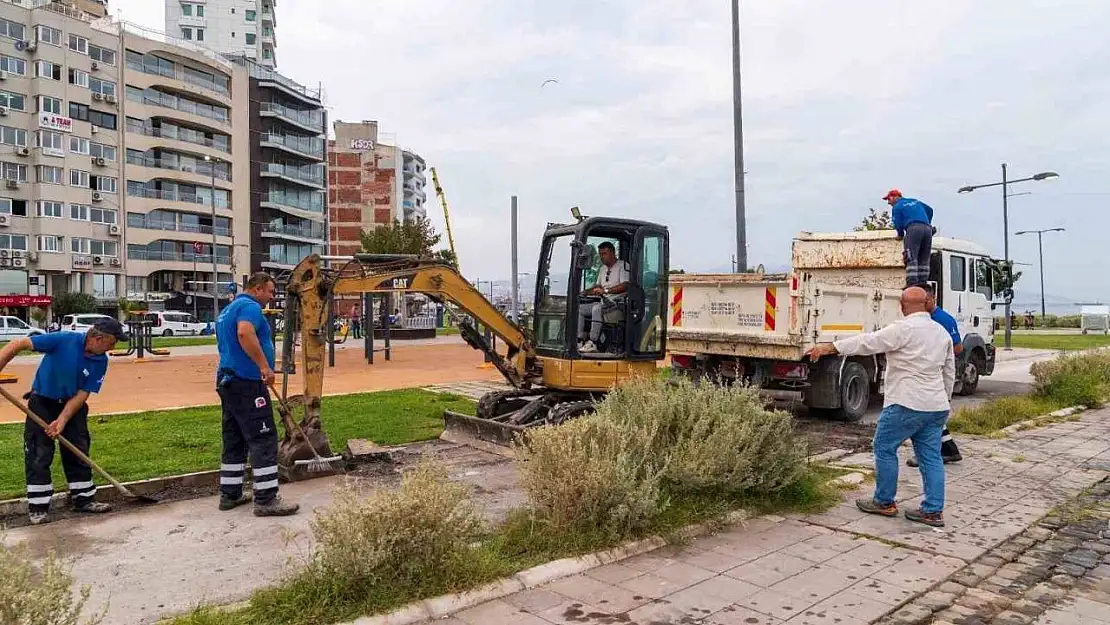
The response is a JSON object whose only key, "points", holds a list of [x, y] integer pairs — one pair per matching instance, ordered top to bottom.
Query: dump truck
{"points": [[756, 328]]}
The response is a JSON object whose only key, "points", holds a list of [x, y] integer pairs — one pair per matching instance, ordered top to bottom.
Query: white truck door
{"points": [[980, 297]]}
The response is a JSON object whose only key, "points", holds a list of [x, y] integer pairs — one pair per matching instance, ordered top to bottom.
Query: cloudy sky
{"points": [[842, 100]]}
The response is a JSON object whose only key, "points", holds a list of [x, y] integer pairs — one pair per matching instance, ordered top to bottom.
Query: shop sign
{"points": [[25, 300]]}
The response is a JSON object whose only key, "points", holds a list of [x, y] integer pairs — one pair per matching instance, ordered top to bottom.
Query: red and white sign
{"points": [[53, 121], [25, 300]]}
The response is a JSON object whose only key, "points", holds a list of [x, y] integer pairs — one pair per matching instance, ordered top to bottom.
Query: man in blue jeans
{"points": [[913, 221], [920, 374]]}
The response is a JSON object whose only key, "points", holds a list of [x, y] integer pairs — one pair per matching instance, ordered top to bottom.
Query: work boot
{"points": [[912, 460], [227, 503], [871, 506], [93, 507], [275, 507], [38, 518], [932, 519]]}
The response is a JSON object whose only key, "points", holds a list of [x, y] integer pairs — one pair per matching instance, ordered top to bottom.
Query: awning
{"points": [[16, 301]]}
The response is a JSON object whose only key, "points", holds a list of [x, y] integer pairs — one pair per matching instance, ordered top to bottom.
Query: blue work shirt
{"points": [[907, 211], [948, 322], [232, 356], [66, 368]]}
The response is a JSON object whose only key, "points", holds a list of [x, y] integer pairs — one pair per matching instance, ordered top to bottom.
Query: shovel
{"points": [[123, 490]]}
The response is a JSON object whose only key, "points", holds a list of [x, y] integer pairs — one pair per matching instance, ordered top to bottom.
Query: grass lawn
{"points": [[446, 331], [182, 341], [1069, 342], [992, 416], [171, 442]]}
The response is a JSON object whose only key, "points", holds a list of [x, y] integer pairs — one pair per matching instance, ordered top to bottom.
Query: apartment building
{"points": [[232, 27], [288, 167], [415, 179], [365, 184]]}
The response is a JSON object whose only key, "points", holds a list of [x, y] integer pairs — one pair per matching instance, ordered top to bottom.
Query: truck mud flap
{"points": [[485, 434]]}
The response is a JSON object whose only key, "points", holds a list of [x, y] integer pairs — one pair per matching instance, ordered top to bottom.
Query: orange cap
{"points": [[892, 193]]}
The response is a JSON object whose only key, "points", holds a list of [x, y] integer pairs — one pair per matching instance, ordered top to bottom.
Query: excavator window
{"points": [[553, 299], [647, 322]]}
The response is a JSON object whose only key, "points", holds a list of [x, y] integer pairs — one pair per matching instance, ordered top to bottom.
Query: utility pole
{"points": [[738, 140], [1040, 254], [215, 268], [515, 298]]}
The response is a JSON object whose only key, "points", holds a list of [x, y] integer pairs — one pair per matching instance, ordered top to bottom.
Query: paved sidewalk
{"points": [[839, 567]]}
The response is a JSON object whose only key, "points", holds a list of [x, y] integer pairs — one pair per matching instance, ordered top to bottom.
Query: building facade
{"points": [[233, 27], [288, 167], [364, 184], [413, 194]]}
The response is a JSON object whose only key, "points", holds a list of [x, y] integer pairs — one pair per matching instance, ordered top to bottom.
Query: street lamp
{"points": [[1005, 183], [1040, 252], [215, 269]]}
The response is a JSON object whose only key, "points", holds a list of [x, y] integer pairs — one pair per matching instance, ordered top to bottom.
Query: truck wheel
{"points": [[167, 332], [975, 366], [855, 392]]}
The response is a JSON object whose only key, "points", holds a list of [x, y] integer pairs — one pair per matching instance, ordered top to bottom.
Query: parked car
{"points": [[81, 322], [175, 323], [14, 328]]}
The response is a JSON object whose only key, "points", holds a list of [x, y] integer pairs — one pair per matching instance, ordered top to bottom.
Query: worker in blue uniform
{"points": [[913, 221], [949, 451]]}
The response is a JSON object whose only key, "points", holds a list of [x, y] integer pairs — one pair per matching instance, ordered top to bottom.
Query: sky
{"points": [[841, 102]]}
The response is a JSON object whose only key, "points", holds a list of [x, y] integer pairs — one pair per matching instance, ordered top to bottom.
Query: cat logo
{"points": [[400, 283]]}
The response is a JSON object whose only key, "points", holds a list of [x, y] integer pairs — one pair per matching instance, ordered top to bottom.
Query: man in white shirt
{"points": [[612, 280], [920, 375]]}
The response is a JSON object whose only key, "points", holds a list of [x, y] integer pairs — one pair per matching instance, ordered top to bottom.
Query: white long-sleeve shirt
{"points": [[920, 366]]}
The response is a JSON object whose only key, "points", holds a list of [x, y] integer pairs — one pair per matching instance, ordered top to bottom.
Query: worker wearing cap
{"points": [[913, 220], [73, 366], [245, 372]]}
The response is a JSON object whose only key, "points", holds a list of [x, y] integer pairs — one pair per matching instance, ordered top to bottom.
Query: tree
{"points": [[876, 220], [411, 237], [446, 256], [676, 271], [1004, 277], [73, 304], [126, 306], [38, 315]]}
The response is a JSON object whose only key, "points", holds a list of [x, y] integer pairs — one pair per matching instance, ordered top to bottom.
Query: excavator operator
{"points": [[612, 279]]}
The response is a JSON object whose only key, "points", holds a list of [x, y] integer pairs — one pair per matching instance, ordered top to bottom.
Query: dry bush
{"points": [[1080, 379], [396, 536], [39, 596]]}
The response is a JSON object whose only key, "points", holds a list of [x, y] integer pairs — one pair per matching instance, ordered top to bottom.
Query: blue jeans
{"points": [[896, 424]]}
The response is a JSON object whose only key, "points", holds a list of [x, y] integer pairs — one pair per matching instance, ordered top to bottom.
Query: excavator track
{"points": [[504, 416]]}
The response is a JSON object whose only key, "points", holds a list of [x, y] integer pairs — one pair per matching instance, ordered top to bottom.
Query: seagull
{"points": [[547, 81]]}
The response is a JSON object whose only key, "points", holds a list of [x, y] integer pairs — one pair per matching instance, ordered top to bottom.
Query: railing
{"points": [[161, 37], [179, 73], [262, 73], [180, 104], [311, 119], [151, 131], [313, 146], [161, 163], [313, 175], [176, 196], [280, 198], [147, 224], [297, 231], [184, 257], [421, 322]]}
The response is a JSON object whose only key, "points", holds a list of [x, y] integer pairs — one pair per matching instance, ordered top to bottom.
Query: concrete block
{"points": [[550, 571], [444, 605], [412, 613]]}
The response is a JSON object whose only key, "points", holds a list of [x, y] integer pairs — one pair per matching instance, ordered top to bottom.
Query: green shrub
{"points": [[1071, 380], [43, 596]]}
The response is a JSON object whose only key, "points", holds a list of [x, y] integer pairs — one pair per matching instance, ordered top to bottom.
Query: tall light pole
{"points": [[738, 140], [1044, 175], [1040, 254], [215, 269]]}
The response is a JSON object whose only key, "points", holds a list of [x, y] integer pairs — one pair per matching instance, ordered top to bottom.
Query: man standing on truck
{"points": [[913, 221], [612, 279], [920, 375], [948, 449]]}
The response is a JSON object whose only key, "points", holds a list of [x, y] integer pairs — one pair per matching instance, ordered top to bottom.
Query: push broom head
{"points": [[320, 464]]}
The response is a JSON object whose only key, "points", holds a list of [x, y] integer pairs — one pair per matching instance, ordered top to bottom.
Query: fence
{"points": [[421, 322]]}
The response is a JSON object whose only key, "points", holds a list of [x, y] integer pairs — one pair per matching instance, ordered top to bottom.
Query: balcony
{"points": [[178, 73], [165, 100], [312, 121], [180, 134], [306, 147], [200, 169], [312, 175], [177, 196], [282, 201], [141, 221], [313, 233], [176, 257]]}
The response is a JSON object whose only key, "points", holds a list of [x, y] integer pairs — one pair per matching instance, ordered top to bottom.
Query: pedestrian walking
{"points": [[913, 221], [356, 325], [73, 366], [245, 372], [920, 375]]}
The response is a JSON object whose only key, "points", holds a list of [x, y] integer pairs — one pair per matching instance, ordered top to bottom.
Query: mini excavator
{"points": [[551, 379]]}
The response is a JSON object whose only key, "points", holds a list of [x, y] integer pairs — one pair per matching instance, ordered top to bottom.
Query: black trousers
{"points": [[918, 244], [248, 430], [38, 455]]}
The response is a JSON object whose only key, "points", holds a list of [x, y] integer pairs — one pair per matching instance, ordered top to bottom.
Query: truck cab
{"points": [[963, 276]]}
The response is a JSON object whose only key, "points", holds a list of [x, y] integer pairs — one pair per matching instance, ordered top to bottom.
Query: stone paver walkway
{"points": [[841, 567]]}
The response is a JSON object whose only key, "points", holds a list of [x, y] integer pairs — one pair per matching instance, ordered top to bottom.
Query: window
{"points": [[186, 10], [200, 10], [252, 15], [12, 30], [46, 34], [187, 34], [200, 34], [251, 39], [78, 44], [267, 53], [104, 55], [12, 65], [46, 69], [78, 77], [106, 87], [14, 101], [48, 104], [79, 111], [104, 120], [13, 136], [53, 141], [79, 145], [106, 152], [14, 171], [49, 174], [78, 178], [103, 183], [12, 206], [50, 208], [79, 212], [102, 215], [13, 242], [49, 243], [78, 245], [104, 248], [984, 279], [958, 281], [135, 284], [104, 285]]}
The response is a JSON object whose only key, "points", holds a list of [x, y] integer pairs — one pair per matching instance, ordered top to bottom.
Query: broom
{"points": [[316, 464]]}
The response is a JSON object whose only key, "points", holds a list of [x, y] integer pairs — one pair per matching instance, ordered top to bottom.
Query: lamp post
{"points": [[738, 144], [1044, 175], [1040, 254], [215, 269]]}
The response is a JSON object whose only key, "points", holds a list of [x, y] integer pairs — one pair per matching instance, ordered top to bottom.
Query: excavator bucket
{"points": [[479, 432], [293, 448]]}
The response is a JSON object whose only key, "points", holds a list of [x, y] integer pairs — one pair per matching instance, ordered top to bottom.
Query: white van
{"points": [[82, 322], [174, 323], [15, 328]]}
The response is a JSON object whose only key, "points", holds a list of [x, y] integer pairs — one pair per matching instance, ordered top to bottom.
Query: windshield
{"points": [[552, 299], [14, 322]]}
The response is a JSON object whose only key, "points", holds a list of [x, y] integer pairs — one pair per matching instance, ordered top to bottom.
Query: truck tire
{"points": [[973, 370], [855, 392]]}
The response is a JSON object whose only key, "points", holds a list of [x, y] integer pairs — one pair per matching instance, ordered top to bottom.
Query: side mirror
{"points": [[585, 256]]}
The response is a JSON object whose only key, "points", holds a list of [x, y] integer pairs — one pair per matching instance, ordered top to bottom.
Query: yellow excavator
{"points": [[552, 379]]}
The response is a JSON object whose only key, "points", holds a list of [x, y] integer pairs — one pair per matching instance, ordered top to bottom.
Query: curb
{"points": [[1039, 421], [108, 493]]}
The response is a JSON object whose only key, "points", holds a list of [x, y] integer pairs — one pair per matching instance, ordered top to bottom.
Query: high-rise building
{"points": [[233, 27], [288, 167], [415, 180]]}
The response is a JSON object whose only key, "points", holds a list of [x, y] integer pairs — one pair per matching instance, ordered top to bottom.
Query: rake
{"points": [[316, 464]]}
